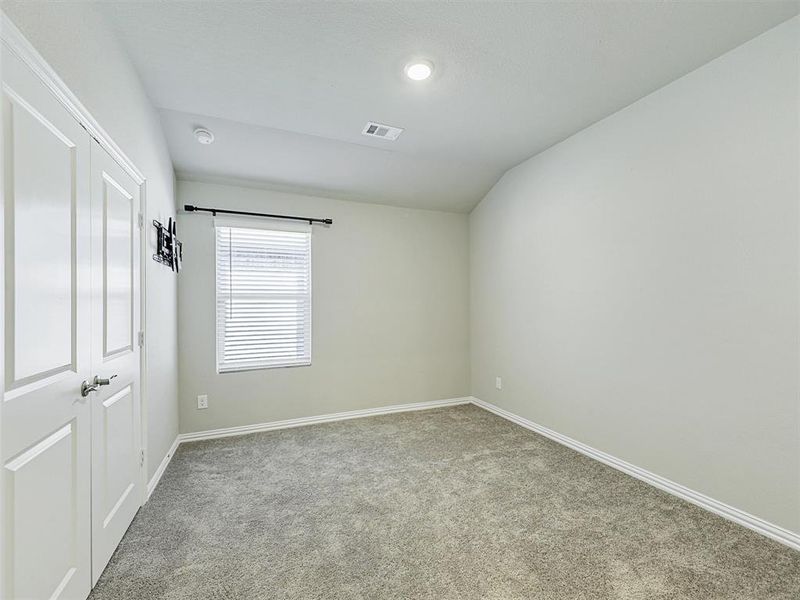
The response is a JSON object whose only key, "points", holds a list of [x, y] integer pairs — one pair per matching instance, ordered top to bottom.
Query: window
{"points": [[263, 296]]}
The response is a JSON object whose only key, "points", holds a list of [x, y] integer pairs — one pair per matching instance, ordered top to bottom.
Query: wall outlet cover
{"points": [[498, 383], [202, 402]]}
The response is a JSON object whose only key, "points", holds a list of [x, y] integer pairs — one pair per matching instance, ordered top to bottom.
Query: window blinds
{"points": [[263, 298]]}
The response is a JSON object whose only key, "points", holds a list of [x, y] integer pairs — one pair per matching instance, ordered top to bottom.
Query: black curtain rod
{"points": [[215, 211]]}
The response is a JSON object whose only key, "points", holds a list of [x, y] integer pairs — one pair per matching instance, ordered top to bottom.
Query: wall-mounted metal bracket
{"points": [[169, 249]]}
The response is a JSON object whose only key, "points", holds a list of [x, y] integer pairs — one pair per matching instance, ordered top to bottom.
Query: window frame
{"points": [[234, 223]]}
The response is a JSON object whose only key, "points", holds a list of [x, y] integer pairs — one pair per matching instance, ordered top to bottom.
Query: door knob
{"points": [[99, 381], [87, 388]]}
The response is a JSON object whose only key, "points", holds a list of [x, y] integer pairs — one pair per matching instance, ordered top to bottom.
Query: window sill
{"points": [[223, 371]]}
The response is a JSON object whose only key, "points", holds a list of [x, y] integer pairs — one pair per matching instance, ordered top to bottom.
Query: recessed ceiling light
{"points": [[419, 70], [203, 135]]}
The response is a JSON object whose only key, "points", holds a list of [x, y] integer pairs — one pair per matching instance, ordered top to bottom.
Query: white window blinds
{"points": [[263, 297]]}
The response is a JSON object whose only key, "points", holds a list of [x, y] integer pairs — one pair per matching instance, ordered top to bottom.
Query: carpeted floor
{"points": [[453, 503]]}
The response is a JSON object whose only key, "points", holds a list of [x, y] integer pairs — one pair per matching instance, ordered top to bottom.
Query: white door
{"points": [[116, 448], [45, 453]]}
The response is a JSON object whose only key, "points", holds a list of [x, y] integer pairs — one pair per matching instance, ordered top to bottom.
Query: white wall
{"points": [[76, 42], [636, 286], [389, 324]]}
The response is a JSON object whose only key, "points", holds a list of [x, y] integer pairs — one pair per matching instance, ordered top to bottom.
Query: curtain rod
{"points": [[214, 211]]}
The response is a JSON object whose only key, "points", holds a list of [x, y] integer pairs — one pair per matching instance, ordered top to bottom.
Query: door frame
{"points": [[3, 29], [15, 42], [142, 337]]}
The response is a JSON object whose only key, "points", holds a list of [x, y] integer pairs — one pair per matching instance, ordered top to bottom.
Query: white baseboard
{"points": [[342, 416], [245, 429], [151, 485], [757, 524], [775, 532]]}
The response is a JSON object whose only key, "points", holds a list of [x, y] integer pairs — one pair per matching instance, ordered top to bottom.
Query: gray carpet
{"points": [[454, 503]]}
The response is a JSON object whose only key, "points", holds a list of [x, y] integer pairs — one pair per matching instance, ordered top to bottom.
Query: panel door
{"points": [[116, 446], [45, 450]]}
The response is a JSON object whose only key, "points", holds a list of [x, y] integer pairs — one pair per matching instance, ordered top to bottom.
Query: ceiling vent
{"points": [[378, 130]]}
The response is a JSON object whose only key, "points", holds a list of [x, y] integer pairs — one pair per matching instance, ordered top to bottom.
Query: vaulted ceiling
{"points": [[287, 87]]}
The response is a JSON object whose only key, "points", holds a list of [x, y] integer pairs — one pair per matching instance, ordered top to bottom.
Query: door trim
{"points": [[144, 454], [3, 474]]}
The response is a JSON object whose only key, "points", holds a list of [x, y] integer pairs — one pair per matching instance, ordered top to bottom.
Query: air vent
{"points": [[378, 130]]}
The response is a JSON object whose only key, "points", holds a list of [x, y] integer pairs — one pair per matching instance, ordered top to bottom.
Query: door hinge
{"points": [[141, 220], [141, 339], [141, 458]]}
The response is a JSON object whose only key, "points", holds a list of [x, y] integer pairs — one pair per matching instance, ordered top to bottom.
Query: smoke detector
{"points": [[378, 130], [203, 135]]}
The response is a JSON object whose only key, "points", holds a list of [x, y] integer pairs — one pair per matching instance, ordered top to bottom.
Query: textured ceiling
{"points": [[288, 86]]}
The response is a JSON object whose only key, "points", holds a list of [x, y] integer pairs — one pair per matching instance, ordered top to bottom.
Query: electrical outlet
{"points": [[498, 383], [202, 402]]}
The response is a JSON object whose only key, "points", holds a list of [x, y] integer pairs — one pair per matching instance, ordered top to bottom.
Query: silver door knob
{"points": [[98, 381], [87, 388]]}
